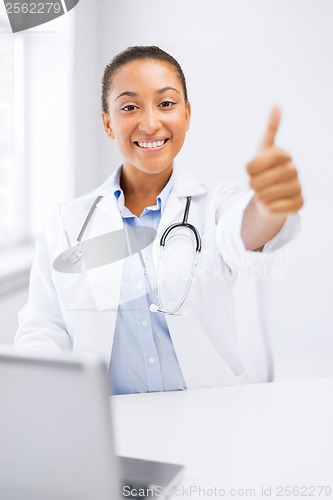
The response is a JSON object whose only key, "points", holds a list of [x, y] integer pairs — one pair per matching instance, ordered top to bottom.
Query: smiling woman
{"points": [[146, 111], [110, 307]]}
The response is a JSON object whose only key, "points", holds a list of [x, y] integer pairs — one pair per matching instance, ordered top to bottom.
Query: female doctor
{"points": [[140, 271]]}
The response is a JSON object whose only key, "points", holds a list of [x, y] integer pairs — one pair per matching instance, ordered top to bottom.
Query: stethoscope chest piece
{"points": [[75, 256], [70, 261]]}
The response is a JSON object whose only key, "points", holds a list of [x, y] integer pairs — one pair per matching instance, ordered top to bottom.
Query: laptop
{"points": [[56, 437]]}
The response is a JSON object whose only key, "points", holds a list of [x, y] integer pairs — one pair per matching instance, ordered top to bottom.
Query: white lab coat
{"points": [[78, 311]]}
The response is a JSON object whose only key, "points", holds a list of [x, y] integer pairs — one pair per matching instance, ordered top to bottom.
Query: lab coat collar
{"points": [[184, 184]]}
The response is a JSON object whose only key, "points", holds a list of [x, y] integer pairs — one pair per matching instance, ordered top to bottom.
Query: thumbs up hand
{"points": [[273, 176]]}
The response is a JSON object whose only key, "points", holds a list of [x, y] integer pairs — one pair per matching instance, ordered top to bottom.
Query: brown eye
{"points": [[167, 104], [129, 107]]}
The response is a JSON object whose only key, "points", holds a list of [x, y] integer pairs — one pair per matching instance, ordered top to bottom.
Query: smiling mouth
{"points": [[151, 145]]}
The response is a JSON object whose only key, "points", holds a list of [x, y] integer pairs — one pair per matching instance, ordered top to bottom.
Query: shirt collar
{"points": [[161, 199]]}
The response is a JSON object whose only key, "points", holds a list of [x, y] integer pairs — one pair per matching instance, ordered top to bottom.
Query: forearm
{"points": [[274, 180], [259, 225]]}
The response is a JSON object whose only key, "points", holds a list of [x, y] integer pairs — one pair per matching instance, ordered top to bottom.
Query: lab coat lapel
{"points": [[172, 213], [105, 281], [200, 363]]}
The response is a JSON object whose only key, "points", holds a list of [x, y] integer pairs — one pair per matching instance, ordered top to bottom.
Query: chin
{"points": [[156, 169]]}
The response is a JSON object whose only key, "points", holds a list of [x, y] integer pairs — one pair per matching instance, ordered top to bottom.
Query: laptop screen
{"points": [[55, 429]]}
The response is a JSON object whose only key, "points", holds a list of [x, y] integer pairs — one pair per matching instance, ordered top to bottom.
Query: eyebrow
{"points": [[160, 91], [135, 94]]}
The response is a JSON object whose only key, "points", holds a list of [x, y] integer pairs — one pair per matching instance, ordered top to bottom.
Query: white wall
{"points": [[240, 57]]}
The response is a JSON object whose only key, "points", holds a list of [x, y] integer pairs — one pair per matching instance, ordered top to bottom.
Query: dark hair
{"points": [[133, 54]]}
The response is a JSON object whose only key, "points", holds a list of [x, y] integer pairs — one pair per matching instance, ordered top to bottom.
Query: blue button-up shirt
{"points": [[143, 358]]}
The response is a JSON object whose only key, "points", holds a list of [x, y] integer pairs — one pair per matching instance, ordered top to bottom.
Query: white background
{"points": [[240, 57]]}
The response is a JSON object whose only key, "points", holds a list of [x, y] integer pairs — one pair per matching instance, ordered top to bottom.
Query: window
{"points": [[36, 136], [12, 195]]}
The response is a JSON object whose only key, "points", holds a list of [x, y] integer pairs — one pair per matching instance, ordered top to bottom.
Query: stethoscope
{"points": [[76, 255], [159, 308]]}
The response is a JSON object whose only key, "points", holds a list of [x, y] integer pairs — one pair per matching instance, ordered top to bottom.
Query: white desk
{"points": [[245, 437]]}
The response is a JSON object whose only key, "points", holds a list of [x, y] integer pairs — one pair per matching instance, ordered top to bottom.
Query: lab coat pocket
{"points": [[73, 291], [92, 331]]}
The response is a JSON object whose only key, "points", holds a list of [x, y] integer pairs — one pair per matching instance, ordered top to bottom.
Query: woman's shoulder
{"points": [[187, 184], [83, 200], [74, 208]]}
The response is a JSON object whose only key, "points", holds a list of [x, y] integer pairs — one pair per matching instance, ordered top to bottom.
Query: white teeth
{"points": [[151, 145]]}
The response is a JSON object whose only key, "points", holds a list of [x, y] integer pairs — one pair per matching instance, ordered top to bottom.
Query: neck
{"points": [[140, 184]]}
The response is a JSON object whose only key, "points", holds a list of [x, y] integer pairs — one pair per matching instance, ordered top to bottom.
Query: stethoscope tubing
{"points": [[89, 216], [184, 223], [163, 240], [187, 289]]}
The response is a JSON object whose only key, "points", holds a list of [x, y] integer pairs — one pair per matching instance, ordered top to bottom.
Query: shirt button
{"points": [[138, 286], [144, 323], [151, 361]]}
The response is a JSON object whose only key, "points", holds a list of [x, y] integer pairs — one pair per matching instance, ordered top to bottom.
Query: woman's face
{"points": [[148, 117]]}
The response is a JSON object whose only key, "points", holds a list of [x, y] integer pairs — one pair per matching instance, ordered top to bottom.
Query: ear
{"points": [[187, 115], [107, 125]]}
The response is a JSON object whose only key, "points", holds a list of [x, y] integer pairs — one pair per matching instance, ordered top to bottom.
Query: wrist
{"points": [[266, 216]]}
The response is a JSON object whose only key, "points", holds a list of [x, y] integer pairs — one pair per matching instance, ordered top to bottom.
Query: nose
{"points": [[150, 122]]}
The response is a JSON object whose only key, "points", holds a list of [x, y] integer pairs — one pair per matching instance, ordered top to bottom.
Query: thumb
{"points": [[271, 128]]}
